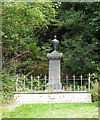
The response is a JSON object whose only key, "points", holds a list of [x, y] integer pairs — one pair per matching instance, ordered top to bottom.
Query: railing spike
{"points": [[24, 76], [66, 76], [74, 76], [31, 77], [38, 77], [45, 77]]}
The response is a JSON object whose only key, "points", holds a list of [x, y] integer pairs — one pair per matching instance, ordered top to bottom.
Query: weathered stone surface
{"points": [[54, 55], [54, 70]]}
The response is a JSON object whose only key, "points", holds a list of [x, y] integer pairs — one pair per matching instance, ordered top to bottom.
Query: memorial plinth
{"points": [[54, 69]]}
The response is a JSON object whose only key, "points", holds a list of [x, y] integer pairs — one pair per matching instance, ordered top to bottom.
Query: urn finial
{"points": [[55, 36], [55, 43]]}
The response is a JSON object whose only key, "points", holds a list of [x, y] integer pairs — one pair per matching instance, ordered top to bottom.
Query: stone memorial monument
{"points": [[54, 67]]}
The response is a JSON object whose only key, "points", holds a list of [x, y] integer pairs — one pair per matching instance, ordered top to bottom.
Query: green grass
{"points": [[62, 110]]}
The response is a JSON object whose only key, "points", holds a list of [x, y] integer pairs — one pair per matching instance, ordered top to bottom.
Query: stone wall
{"points": [[30, 98]]}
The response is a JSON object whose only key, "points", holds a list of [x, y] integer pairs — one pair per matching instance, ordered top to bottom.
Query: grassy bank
{"points": [[62, 110]]}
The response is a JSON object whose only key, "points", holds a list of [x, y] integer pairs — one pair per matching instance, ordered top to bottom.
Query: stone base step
{"points": [[31, 98]]}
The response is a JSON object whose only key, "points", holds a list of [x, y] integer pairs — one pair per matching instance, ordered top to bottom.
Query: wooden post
{"points": [[24, 80], [38, 81], [45, 81], [74, 81], [16, 82], [31, 82], [81, 82], [89, 82]]}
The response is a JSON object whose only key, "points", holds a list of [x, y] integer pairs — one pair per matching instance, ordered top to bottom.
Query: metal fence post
{"points": [[24, 80], [31, 81], [38, 81], [45, 81], [67, 81], [74, 81], [16, 82], [81, 82], [89, 82], [42, 87], [35, 88], [63, 88], [70, 88], [78, 88], [85, 88]]}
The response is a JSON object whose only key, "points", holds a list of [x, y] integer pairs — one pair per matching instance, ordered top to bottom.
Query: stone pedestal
{"points": [[54, 70]]}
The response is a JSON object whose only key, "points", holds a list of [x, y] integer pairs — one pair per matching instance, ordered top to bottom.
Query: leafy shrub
{"points": [[8, 87], [94, 90]]}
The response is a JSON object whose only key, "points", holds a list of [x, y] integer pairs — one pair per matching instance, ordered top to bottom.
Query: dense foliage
{"points": [[22, 23], [27, 30], [80, 38]]}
